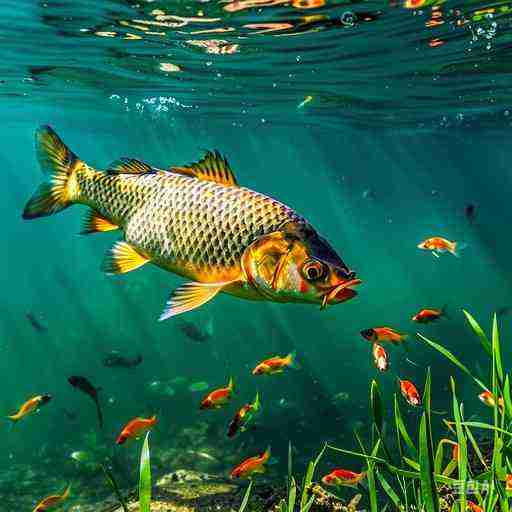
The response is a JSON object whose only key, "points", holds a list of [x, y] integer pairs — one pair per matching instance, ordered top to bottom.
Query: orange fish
{"points": [[439, 245], [428, 315], [378, 334], [380, 357], [276, 365], [410, 392], [219, 397], [488, 399], [29, 406], [243, 416], [136, 428], [455, 451], [252, 465], [343, 478], [508, 482], [52, 501], [473, 507]]}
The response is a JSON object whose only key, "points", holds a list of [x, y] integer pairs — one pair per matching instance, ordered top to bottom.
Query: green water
{"points": [[374, 193]]}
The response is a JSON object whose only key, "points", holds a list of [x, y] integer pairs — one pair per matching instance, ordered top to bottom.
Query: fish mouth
{"points": [[340, 293]]}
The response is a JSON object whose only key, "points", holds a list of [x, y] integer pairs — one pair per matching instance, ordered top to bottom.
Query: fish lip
{"points": [[342, 291]]}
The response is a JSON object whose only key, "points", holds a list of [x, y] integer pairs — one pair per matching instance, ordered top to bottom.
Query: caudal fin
{"points": [[58, 164], [457, 248]]}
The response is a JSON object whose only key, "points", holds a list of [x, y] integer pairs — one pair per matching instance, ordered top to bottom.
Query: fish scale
{"points": [[178, 220]]}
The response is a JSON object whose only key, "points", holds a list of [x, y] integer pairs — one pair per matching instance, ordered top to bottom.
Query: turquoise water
{"points": [[398, 138]]}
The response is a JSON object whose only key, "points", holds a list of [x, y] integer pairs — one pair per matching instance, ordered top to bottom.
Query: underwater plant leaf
{"points": [[479, 332], [496, 349], [445, 352], [507, 397], [376, 403], [400, 426], [487, 426], [475, 446], [462, 452], [356, 454], [290, 455], [414, 465], [450, 467], [109, 477], [145, 477], [370, 477], [308, 478], [247, 494], [292, 495], [393, 496], [429, 496], [308, 505]]}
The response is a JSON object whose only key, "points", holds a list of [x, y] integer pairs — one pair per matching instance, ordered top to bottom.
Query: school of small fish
{"points": [[264, 250]]}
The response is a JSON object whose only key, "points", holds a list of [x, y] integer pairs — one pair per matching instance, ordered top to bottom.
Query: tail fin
{"points": [[58, 164], [457, 248], [292, 360], [266, 454], [65, 494]]}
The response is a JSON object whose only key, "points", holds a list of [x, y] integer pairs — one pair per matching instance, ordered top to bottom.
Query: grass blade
{"points": [[479, 332], [446, 353], [400, 426], [462, 457], [145, 477], [292, 495], [393, 496], [246, 497], [429, 497]]}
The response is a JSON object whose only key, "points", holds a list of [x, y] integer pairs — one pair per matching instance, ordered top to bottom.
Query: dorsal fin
{"points": [[130, 166], [212, 167]]}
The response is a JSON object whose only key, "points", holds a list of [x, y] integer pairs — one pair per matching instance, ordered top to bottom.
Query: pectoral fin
{"points": [[94, 222], [123, 258], [191, 296]]}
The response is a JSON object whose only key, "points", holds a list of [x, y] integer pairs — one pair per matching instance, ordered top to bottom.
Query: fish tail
{"points": [[59, 165], [457, 247], [292, 360], [14, 418], [266, 454], [66, 492]]}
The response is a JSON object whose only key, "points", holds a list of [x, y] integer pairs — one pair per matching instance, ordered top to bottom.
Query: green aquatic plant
{"points": [[410, 476], [145, 477], [112, 483], [247, 494]]}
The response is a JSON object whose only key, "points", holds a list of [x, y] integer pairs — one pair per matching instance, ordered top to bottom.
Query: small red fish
{"points": [[439, 245], [428, 315], [379, 334], [380, 357], [275, 365], [410, 392], [219, 397], [488, 399], [29, 406], [243, 416], [136, 428], [455, 451], [252, 465], [343, 478], [508, 482], [52, 501], [473, 507]]}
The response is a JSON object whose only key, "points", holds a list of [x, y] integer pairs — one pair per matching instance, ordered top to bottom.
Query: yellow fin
{"points": [[58, 163], [130, 166], [213, 167], [94, 222], [123, 258], [190, 296]]}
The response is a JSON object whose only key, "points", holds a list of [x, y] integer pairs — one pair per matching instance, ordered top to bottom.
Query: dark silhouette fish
{"points": [[470, 212], [35, 323], [194, 332], [115, 359], [86, 387]]}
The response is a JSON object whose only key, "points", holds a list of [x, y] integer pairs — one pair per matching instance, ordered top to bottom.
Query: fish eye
{"points": [[313, 270]]}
